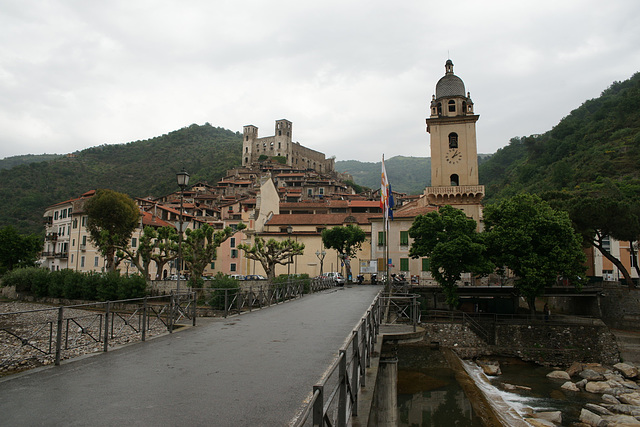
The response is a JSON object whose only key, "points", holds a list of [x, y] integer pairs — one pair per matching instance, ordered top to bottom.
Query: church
{"points": [[454, 177]]}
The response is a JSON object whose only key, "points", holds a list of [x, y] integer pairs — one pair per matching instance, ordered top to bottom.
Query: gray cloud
{"points": [[355, 77]]}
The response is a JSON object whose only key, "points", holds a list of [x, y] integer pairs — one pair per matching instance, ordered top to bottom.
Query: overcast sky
{"points": [[354, 77]]}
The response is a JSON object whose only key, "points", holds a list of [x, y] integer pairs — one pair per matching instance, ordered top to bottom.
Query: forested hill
{"points": [[597, 141], [9, 162], [140, 168], [406, 174]]}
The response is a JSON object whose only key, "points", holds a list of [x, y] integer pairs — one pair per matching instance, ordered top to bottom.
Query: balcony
{"points": [[456, 190], [455, 194], [51, 237], [83, 247], [48, 254], [62, 255]]}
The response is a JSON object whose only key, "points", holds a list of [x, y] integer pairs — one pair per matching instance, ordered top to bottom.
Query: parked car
{"points": [[237, 276], [175, 277], [255, 277], [337, 278]]}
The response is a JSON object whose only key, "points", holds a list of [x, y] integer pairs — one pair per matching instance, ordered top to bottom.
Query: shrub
{"points": [[220, 283], [134, 286]]}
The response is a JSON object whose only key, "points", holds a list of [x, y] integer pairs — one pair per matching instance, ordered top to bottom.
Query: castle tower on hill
{"points": [[254, 149], [454, 154]]}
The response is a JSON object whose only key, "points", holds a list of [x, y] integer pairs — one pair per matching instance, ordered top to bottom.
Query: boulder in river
{"points": [[627, 370], [560, 375]]}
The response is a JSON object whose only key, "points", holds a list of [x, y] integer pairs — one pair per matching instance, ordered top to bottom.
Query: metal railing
{"points": [[237, 300], [402, 308], [36, 337], [335, 397]]}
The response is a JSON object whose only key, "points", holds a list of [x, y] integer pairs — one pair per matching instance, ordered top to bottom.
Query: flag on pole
{"points": [[386, 196]]}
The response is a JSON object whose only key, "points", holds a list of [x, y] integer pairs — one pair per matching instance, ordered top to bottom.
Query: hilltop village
{"points": [[284, 190]]}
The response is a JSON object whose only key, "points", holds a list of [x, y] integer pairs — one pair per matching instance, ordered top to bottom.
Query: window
{"points": [[452, 106], [453, 140], [455, 181], [321, 191], [310, 192], [69, 212], [55, 215], [84, 221], [75, 223], [381, 238], [404, 238], [84, 240], [134, 242], [232, 242], [73, 243], [606, 243], [234, 253], [71, 258], [82, 261], [96, 261], [404, 264], [425, 264], [213, 265], [232, 267]]}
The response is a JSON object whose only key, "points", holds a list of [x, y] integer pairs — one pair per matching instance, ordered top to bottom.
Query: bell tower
{"points": [[454, 155]]}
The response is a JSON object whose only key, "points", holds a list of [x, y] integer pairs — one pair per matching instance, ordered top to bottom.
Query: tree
{"points": [[600, 211], [111, 219], [346, 240], [450, 240], [536, 242], [158, 245], [200, 246], [17, 250], [272, 252]]}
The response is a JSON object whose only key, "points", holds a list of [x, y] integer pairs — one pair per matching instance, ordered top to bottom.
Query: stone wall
{"points": [[620, 307], [545, 344]]}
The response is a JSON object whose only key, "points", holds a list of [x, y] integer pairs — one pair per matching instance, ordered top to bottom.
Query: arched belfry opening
{"points": [[455, 180]]}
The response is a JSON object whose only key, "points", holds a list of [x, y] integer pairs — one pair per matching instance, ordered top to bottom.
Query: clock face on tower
{"points": [[453, 156]]}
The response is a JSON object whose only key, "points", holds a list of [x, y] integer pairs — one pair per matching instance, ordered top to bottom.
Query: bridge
{"points": [[257, 369]]}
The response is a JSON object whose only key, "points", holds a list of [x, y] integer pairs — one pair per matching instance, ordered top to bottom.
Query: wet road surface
{"points": [[250, 370]]}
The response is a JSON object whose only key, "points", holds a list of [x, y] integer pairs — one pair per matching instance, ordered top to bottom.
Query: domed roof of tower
{"points": [[450, 84]]}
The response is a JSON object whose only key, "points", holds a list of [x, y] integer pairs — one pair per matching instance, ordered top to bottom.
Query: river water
{"points": [[429, 394]]}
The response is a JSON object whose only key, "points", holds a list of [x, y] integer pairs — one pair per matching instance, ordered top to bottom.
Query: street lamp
{"points": [[183, 181], [321, 255]]}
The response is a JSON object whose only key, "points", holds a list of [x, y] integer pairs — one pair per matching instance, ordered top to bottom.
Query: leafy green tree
{"points": [[601, 211], [111, 219], [346, 240], [536, 242], [200, 246], [453, 246], [17, 250], [271, 253]]}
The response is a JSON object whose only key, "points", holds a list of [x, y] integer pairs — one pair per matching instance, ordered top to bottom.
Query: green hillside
{"points": [[599, 140], [9, 162], [140, 169], [406, 174]]}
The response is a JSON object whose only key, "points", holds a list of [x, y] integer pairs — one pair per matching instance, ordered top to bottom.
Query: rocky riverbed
{"points": [[28, 334], [613, 393]]}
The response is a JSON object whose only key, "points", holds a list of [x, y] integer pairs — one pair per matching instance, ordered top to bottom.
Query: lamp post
{"points": [[183, 181], [289, 231], [321, 254]]}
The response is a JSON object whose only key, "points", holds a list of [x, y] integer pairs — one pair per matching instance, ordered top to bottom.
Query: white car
{"points": [[337, 277]]}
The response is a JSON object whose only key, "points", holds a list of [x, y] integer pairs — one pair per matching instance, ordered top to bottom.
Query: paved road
{"points": [[249, 370]]}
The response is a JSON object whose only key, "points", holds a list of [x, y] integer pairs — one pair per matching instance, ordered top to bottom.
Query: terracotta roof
{"points": [[318, 219], [154, 221]]}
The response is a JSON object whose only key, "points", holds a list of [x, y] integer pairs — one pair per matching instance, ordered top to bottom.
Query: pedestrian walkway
{"points": [[256, 369]]}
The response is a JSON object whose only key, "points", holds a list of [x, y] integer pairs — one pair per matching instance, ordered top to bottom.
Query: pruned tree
{"points": [[111, 219], [346, 240], [450, 240], [536, 242], [157, 245], [200, 246], [272, 252]]}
